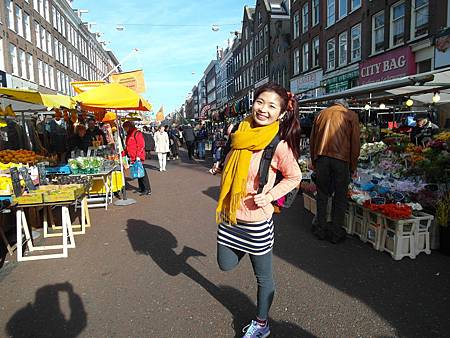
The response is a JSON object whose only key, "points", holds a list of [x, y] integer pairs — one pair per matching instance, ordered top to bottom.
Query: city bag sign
{"points": [[386, 66]]}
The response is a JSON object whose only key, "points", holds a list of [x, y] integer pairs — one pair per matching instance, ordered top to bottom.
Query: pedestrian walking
{"points": [[201, 137], [189, 138], [173, 140], [149, 141], [334, 145], [162, 147], [135, 149], [244, 215]]}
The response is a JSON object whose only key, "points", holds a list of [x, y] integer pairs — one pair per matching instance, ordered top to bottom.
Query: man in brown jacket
{"points": [[335, 146]]}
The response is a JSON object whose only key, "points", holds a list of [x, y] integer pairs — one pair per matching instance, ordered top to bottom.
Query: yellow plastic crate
{"points": [[63, 193], [34, 197]]}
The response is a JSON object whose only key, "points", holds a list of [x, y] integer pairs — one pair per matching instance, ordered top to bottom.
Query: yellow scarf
{"points": [[244, 142]]}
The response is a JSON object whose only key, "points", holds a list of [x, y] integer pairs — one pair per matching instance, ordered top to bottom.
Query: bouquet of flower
{"points": [[370, 149]]}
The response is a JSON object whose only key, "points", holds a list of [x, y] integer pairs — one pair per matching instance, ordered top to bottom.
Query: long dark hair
{"points": [[289, 124]]}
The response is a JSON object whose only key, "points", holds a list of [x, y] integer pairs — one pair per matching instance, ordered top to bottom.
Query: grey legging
{"points": [[229, 258]]}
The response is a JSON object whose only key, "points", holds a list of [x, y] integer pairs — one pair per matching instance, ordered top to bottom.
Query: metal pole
{"points": [[135, 50]]}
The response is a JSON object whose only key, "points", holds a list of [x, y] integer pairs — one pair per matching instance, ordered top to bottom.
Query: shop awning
{"points": [[419, 87], [112, 96], [36, 98]]}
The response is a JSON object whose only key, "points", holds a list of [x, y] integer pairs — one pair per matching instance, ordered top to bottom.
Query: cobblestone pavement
{"points": [[149, 270]]}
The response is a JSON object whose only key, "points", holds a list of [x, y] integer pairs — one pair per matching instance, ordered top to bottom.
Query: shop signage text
{"points": [[397, 63], [306, 82]]}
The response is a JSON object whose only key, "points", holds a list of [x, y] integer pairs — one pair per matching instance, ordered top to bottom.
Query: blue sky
{"points": [[168, 55]]}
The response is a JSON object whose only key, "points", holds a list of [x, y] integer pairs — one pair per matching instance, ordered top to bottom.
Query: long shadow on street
{"points": [[160, 244], [412, 295], [44, 318]]}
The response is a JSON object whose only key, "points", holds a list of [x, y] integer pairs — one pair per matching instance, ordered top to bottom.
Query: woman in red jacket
{"points": [[135, 148]]}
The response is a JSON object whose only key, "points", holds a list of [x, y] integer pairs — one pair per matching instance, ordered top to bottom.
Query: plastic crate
{"points": [[58, 170], [34, 197], [422, 232], [398, 238]]}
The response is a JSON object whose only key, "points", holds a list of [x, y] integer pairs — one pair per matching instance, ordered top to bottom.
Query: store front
{"points": [[387, 66], [341, 82], [308, 85]]}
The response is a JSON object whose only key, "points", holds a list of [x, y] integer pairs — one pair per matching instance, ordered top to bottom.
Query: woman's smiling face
{"points": [[266, 108]]}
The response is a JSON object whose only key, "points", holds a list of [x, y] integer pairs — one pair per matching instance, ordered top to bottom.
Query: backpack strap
{"points": [[266, 159]]}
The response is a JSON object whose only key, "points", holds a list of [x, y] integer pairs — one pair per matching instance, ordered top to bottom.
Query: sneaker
{"points": [[254, 330]]}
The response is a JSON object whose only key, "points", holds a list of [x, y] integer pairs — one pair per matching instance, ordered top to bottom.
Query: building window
{"points": [[356, 4], [36, 5], [41, 8], [342, 8], [10, 9], [47, 11], [315, 12], [331, 12], [420, 12], [305, 17], [259, 18], [19, 21], [58, 21], [54, 22], [397, 24], [296, 25], [27, 27], [378, 32], [37, 34], [43, 40], [356, 42], [49, 44], [343, 49], [315, 51], [331, 54], [2, 57], [305, 58], [296, 61], [14, 63], [23, 64], [267, 64], [30, 67], [46, 75], [52, 77], [58, 81]]}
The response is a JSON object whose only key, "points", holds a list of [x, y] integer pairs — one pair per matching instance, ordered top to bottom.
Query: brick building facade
{"points": [[44, 45]]}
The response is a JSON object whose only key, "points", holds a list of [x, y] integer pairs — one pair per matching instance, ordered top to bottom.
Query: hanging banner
{"points": [[133, 80], [84, 86]]}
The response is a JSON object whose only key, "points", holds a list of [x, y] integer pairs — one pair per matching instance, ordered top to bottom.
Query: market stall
{"points": [[114, 97], [399, 199]]}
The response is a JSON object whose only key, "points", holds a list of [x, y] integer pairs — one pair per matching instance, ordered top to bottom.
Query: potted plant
{"points": [[442, 219]]}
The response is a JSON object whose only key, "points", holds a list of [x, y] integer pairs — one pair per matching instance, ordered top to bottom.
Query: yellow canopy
{"points": [[84, 86], [32, 96], [112, 96]]}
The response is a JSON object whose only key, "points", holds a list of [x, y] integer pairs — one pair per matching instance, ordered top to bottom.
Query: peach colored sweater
{"points": [[284, 161]]}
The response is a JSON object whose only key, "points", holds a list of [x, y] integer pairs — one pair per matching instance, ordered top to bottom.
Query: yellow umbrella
{"points": [[83, 86], [32, 96], [112, 96]]}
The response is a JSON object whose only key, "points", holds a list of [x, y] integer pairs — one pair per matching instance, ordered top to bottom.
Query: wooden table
{"points": [[67, 234]]}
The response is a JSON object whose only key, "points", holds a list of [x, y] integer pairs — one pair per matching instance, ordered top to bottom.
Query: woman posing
{"points": [[162, 147], [244, 216]]}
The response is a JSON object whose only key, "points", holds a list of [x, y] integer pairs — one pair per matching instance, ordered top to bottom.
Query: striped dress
{"points": [[253, 238]]}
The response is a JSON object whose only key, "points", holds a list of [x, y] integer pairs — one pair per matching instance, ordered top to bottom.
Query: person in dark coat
{"points": [[93, 132], [189, 138], [80, 141], [149, 141]]}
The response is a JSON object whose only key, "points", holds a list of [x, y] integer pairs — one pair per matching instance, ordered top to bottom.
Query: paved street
{"points": [[149, 270]]}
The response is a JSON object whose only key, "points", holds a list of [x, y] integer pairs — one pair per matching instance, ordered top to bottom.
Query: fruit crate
{"points": [[63, 193], [34, 197]]}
